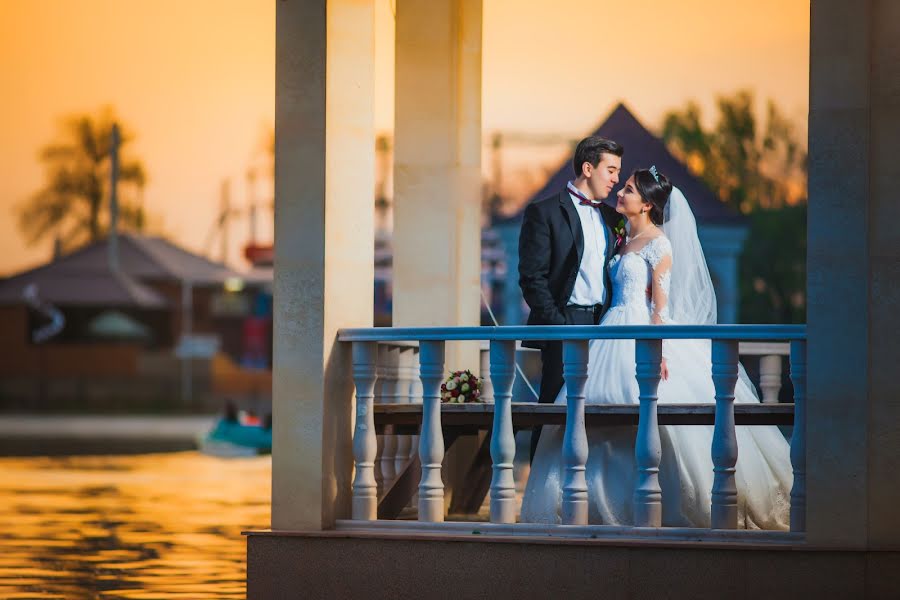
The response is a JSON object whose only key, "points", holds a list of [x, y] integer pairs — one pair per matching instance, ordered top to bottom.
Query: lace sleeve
{"points": [[659, 255]]}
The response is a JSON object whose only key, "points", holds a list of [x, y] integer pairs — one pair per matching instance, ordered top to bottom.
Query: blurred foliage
{"points": [[749, 165], [760, 171], [73, 205], [773, 267]]}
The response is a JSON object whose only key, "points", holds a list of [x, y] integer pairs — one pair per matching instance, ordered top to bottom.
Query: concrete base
{"points": [[359, 565]]}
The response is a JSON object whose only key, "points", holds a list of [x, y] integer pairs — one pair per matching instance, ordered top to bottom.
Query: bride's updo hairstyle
{"points": [[654, 187]]}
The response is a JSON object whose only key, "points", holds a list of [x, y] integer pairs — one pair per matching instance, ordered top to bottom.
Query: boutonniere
{"points": [[619, 230]]}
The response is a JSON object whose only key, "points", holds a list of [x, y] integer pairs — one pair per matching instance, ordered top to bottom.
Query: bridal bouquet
{"points": [[461, 386]]}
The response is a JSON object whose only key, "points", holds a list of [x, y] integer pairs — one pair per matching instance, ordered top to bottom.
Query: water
{"points": [[145, 526]]}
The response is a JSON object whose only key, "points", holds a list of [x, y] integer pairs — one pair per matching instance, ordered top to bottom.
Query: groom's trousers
{"points": [[552, 362]]}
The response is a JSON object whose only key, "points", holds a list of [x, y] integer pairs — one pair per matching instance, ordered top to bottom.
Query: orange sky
{"points": [[194, 79]]}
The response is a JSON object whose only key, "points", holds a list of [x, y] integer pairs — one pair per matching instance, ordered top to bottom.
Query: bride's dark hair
{"points": [[654, 189]]}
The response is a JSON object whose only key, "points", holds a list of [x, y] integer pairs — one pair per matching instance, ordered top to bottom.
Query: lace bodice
{"points": [[636, 271]]}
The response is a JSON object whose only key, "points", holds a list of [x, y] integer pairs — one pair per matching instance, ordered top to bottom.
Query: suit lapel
{"points": [[568, 208], [610, 219]]}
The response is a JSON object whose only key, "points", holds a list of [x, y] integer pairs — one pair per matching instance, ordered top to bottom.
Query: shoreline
{"points": [[60, 435]]}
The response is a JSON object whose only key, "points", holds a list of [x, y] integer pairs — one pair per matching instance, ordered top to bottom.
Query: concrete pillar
{"points": [[437, 169], [324, 177], [722, 246], [853, 266]]}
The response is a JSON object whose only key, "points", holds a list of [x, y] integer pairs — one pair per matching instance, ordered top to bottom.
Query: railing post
{"points": [[405, 374], [388, 375], [770, 377], [415, 384], [487, 385], [798, 439], [431, 440], [503, 442], [575, 448], [647, 448], [365, 499], [724, 511]]}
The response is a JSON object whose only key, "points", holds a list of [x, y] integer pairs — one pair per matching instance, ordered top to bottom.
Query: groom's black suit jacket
{"points": [[551, 245]]}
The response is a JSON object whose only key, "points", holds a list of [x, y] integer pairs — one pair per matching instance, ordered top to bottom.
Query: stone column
{"points": [[437, 169], [324, 241], [722, 246], [853, 267]]}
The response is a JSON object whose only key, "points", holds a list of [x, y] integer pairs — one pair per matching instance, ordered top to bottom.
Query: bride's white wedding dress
{"points": [[764, 474]]}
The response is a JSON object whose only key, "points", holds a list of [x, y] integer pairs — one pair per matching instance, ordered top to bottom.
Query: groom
{"points": [[564, 250]]}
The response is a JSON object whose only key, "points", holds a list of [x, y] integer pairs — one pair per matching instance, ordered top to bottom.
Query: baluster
{"points": [[388, 370], [770, 377], [404, 380], [415, 386], [487, 386], [378, 392], [415, 397], [798, 438], [431, 441], [503, 442], [647, 448], [379, 449], [575, 449], [388, 456], [401, 458], [365, 500], [724, 512]]}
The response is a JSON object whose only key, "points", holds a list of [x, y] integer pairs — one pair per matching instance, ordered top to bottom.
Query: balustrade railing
{"points": [[398, 371]]}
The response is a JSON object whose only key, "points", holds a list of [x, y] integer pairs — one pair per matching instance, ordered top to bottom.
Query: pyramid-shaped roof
{"points": [[643, 149], [84, 277]]}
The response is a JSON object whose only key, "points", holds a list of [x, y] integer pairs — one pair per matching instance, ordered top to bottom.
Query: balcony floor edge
{"points": [[527, 533], [376, 564]]}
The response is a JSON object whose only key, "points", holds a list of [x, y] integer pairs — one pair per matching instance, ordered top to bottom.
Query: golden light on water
{"points": [[150, 526]]}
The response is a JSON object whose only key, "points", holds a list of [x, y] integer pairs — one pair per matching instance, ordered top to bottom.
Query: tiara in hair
{"points": [[654, 173]]}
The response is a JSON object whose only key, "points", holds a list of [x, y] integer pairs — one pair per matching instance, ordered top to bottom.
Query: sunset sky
{"points": [[194, 80]]}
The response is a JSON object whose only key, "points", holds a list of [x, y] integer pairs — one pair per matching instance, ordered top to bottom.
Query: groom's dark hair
{"points": [[590, 149]]}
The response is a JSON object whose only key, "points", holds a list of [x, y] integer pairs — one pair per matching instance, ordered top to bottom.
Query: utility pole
{"points": [[251, 200], [225, 214], [112, 242]]}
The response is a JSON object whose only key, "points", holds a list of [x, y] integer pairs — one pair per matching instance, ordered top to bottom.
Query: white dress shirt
{"points": [[590, 286]]}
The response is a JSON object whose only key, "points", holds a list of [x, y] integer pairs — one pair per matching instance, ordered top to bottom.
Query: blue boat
{"points": [[229, 438]]}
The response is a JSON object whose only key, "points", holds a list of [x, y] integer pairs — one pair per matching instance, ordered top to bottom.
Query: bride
{"points": [[662, 255]]}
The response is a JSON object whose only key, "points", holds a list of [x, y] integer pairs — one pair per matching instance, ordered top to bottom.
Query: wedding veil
{"points": [[692, 298]]}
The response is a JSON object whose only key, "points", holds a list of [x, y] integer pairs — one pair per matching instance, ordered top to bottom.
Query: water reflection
{"points": [[148, 526]]}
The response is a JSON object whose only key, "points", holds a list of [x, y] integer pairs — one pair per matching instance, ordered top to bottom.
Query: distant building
{"points": [[722, 231], [126, 328]]}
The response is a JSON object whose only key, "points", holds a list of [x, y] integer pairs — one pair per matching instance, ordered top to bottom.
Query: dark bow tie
{"points": [[582, 199]]}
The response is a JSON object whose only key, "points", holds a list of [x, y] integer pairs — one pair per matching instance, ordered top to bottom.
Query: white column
{"points": [[323, 113], [437, 169], [770, 377], [798, 438], [431, 442], [503, 443], [647, 447], [575, 448], [365, 499], [724, 513]]}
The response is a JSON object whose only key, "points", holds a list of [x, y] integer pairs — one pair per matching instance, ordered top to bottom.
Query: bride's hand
{"points": [[664, 370]]}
